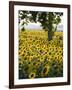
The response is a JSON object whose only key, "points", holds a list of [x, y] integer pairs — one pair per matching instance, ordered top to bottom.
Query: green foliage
{"points": [[47, 19]]}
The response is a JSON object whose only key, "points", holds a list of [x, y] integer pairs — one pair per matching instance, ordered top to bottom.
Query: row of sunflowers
{"points": [[38, 57]]}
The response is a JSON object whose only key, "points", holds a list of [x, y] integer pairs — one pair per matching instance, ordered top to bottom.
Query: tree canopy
{"points": [[47, 20]]}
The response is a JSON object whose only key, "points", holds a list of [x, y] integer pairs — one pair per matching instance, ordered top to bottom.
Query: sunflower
{"points": [[51, 48], [19, 53], [49, 53], [56, 57], [30, 58], [49, 58], [60, 58], [20, 62], [38, 64], [45, 71], [32, 75]]}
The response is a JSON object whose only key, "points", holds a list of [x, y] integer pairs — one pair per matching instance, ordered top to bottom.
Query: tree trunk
{"points": [[50, 26], [49, 36]]}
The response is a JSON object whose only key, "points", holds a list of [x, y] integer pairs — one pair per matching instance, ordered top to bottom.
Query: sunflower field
{"points": [[38, 57]]}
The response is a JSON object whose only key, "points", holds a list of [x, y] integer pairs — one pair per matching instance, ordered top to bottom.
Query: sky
{"points": [[34, 26]]}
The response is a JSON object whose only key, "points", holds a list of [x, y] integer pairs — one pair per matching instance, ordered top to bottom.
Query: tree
{"points": [[23, 15], [47, 20]]}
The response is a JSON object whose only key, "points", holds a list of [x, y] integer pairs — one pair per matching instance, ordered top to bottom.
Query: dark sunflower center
{"points": [[49, 53], [45, 69], [32, 75]]}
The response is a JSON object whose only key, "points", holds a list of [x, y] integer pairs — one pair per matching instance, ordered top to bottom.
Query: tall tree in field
{"points": [[23, 16], [47, 20]]}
